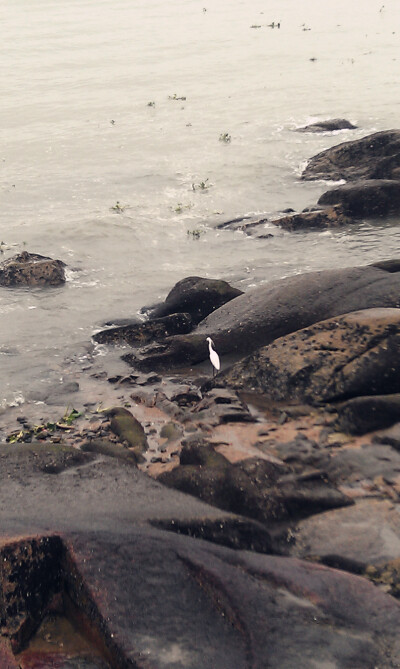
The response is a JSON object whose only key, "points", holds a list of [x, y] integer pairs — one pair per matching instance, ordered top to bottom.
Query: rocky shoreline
{"points": [[247, 519]]}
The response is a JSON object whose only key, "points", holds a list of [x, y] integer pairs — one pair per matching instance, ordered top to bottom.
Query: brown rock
{"points": [[329, 217], [31, 269], [351, 355]]}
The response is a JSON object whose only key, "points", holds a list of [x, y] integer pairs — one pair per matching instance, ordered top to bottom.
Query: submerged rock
{"points": [[328, 126], [376, 156], [319, 218], [31, 269], [196, 296], [346, 356]]}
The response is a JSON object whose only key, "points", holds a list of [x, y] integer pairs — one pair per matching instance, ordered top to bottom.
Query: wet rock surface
{"points": [[328, 126], [375, 156], [371, 198], [319, 218], [31, 269], [196, 296], [265, 313], [138, 334], [347, 356], [171, 528]]}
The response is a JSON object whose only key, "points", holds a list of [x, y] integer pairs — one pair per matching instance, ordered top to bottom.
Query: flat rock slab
{"points": [[346, 356], [46, 487], [85, 523], [365, 533], [162, 600]]}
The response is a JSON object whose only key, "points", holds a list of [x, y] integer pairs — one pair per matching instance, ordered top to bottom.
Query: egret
{"points": [[214, 357]]}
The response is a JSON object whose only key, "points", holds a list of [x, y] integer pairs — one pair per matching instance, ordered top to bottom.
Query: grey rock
{"points": [[328, 126], [375, 156], [372, 198], [196, 296]]}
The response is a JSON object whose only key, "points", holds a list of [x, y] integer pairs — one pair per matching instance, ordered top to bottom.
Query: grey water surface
{"points": [[124, 101]]}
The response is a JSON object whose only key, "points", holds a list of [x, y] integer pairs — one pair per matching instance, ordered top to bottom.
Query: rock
{"points": [[328, 126], [375, 156], [372, 198], [329, 217], [245, 224], [31, 269], [196, 296], [275, 309], [122, 322], [139, 334], [177, 351], [346, 356], [221, 406], [365, 414], [127, 428], [171, 432], [390, 436], [107, 447], [302, 454], [47, 458], [369, 463], [255, 488], [238, 533], [366, 533], [96, 538], [7, 659]]}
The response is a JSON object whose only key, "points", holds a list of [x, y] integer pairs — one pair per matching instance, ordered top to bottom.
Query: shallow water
{"points": [[78, 135]]}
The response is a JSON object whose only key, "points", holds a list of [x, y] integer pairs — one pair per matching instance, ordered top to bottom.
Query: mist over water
{"points": [[78, 135]]}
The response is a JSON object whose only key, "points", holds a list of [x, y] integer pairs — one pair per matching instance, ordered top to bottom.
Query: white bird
{"points": [[214, 357]]}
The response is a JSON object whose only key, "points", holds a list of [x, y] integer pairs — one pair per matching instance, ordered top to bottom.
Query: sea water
{"points": [[112, 117]]}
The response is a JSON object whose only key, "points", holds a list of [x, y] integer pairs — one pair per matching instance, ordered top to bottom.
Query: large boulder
{"points": [[376, 156], [370, 198], [31, 269], [196, 296], [275, 309], [346, 356], [89, 536]]}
